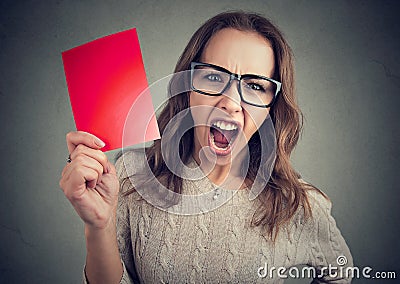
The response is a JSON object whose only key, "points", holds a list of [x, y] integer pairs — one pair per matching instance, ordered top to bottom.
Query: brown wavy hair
{"points": [[284, 191]]}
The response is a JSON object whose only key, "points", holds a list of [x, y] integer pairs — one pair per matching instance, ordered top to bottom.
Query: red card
{"points": [[106, 80]]}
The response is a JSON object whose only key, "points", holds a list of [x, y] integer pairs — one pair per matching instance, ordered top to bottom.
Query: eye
{"points": [[214, 78], [255, 87]]}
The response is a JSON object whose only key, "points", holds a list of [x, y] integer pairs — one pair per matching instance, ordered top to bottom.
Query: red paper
{"points": [[105, 78]]}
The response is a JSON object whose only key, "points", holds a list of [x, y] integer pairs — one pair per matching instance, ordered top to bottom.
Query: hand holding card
{"points": [[107, 83]]}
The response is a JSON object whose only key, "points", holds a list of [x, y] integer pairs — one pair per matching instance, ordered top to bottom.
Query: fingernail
{"points": [[99, 142]]}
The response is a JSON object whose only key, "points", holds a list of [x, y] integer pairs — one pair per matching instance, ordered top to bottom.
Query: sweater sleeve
{"points": [[123, 224], [123, 229], [329, 253]]}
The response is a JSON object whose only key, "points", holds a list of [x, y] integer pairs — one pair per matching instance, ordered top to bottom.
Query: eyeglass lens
{"points": [[256, 91]]}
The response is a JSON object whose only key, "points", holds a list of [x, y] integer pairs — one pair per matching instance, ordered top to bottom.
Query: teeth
{"points": [[225, 125]]}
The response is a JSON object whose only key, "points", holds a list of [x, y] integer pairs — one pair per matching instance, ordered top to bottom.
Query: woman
{"points": [[240, 86]]}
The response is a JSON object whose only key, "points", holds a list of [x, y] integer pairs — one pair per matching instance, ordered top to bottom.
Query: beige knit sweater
{"points": [[220, 246]]}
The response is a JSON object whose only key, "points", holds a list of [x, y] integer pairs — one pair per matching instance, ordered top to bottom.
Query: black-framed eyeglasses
{"points": [[213, 80]]}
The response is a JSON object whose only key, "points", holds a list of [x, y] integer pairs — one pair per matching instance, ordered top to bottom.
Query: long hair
{"points": [[284, 192]]}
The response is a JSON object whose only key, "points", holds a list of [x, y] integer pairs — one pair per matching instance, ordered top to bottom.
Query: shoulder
{"points": [[128, 164], [137, 181], [318, 200], [315, 209], [320, 223]]}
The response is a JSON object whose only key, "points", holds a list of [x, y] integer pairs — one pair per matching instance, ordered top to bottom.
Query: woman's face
{"points": [[239, 52]]}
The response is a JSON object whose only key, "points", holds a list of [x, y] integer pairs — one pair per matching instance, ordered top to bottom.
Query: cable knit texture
{"points": [[219, 246]]}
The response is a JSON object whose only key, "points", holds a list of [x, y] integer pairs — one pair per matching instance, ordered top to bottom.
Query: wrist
{"points": [[104, 226], [95, 231]]}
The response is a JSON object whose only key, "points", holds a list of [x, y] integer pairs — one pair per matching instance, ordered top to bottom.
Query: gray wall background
{"points": [[348, 84]]}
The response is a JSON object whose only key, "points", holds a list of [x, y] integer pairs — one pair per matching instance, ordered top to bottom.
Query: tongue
{"points": [[221, 136]]}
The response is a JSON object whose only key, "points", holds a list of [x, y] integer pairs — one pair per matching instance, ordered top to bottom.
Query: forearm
{"points": [[103, 263]]}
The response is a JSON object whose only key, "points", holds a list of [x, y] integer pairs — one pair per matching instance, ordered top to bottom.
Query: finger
{"points": [[75, 138], [92, 153], [87, 162], [111, 168], [83, 175], [91, 184], [74, 185], [109, 186]]}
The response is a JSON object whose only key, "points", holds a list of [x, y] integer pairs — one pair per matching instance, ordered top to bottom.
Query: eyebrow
{"points": [[230, 72]]}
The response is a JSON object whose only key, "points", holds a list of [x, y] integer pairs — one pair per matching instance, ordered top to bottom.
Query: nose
{"points": [[230, 99]]}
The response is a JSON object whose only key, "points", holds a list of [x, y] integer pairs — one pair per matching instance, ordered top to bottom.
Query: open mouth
{"points": [[222, 136]]}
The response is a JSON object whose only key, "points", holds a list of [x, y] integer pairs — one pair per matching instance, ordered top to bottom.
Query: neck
{"points": [[226, 174]]}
